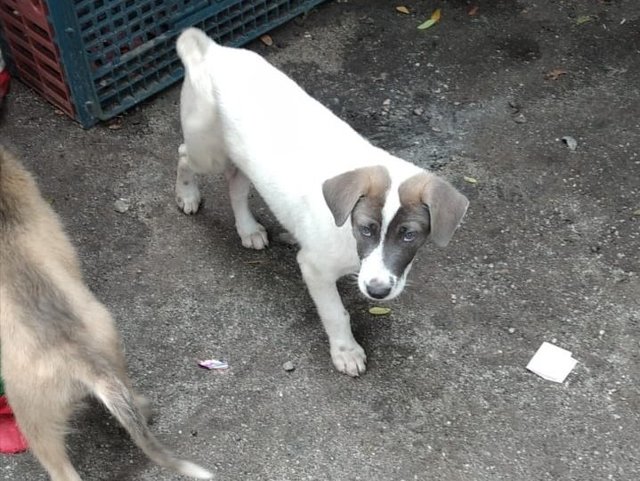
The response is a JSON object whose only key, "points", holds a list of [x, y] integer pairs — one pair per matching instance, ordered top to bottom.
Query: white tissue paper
{"points": [[552, 362]]}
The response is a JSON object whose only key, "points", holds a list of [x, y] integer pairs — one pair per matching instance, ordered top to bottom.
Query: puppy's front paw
{"points": [[188, 198], [255, 238], [349, 359]]}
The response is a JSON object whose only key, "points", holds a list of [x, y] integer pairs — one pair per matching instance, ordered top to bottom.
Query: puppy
{"points": [[243, 117], [57, 341]]}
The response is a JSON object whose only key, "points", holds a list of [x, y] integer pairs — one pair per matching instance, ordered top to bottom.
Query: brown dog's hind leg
{"points": [[42, 417]]}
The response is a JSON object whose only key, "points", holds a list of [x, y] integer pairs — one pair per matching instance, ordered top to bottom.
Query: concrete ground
{"points": [[548, 252]]}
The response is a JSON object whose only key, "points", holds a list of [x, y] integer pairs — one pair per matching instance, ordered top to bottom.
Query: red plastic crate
{"points": [[33, 52], [5, 81]]}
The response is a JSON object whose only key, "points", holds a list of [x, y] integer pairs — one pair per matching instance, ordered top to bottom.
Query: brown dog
{"points": [[57, 341]]}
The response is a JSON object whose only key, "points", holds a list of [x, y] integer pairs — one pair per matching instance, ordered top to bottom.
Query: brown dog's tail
{"points": [[120, 402]]}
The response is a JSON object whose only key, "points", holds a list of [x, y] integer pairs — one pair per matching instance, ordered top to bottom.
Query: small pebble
{"points": [[418, 111], [520, 119], [570, 142], [121, 205], [511, 330], [288, 366]]}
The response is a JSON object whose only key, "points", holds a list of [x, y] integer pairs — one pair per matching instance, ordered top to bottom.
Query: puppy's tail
{"points": [[192, 46], [118, 399]]}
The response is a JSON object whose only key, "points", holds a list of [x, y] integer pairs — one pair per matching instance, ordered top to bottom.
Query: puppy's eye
{"points": [[366, 231], [409, 236]]}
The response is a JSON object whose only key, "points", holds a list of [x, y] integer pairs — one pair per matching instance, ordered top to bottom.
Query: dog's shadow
{"points": [[215, 219], [368, 329]]}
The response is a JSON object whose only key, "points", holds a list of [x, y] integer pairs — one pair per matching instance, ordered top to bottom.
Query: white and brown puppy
{"points": [[242, 116], [57, 341]]}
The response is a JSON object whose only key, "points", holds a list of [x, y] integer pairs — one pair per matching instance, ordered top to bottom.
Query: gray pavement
{"points": [[548, 252]]}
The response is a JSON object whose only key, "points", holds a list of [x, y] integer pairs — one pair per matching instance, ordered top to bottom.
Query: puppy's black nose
{"points": [[378, 290]]}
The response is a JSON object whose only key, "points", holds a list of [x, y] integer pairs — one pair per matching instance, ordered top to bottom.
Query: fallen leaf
{"points": [[403, 9], [473, 10], [435, 18], [582, 19], [428, 24], [267, 40], [555, 74], [471, 180], [636, 212], [379, 311]]}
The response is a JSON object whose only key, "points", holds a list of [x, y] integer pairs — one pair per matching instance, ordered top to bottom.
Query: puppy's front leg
{"points": [[252, 234], [347, 355]]}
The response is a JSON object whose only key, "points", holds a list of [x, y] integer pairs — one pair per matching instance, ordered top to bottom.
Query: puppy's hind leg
{"points": [[202, 152], [187, 191], [252, 234], [42, 415]]}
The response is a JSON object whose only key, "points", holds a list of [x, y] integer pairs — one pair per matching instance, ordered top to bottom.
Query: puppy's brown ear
{"points": [[341, 193], [446, 205]]}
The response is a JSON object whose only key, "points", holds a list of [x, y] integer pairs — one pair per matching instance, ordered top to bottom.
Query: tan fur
{"points": [[343, 191], [446, 205], [58, 343]]}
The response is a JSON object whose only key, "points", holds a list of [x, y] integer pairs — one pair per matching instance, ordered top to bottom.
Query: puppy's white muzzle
{"points": [[376, 281]]}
